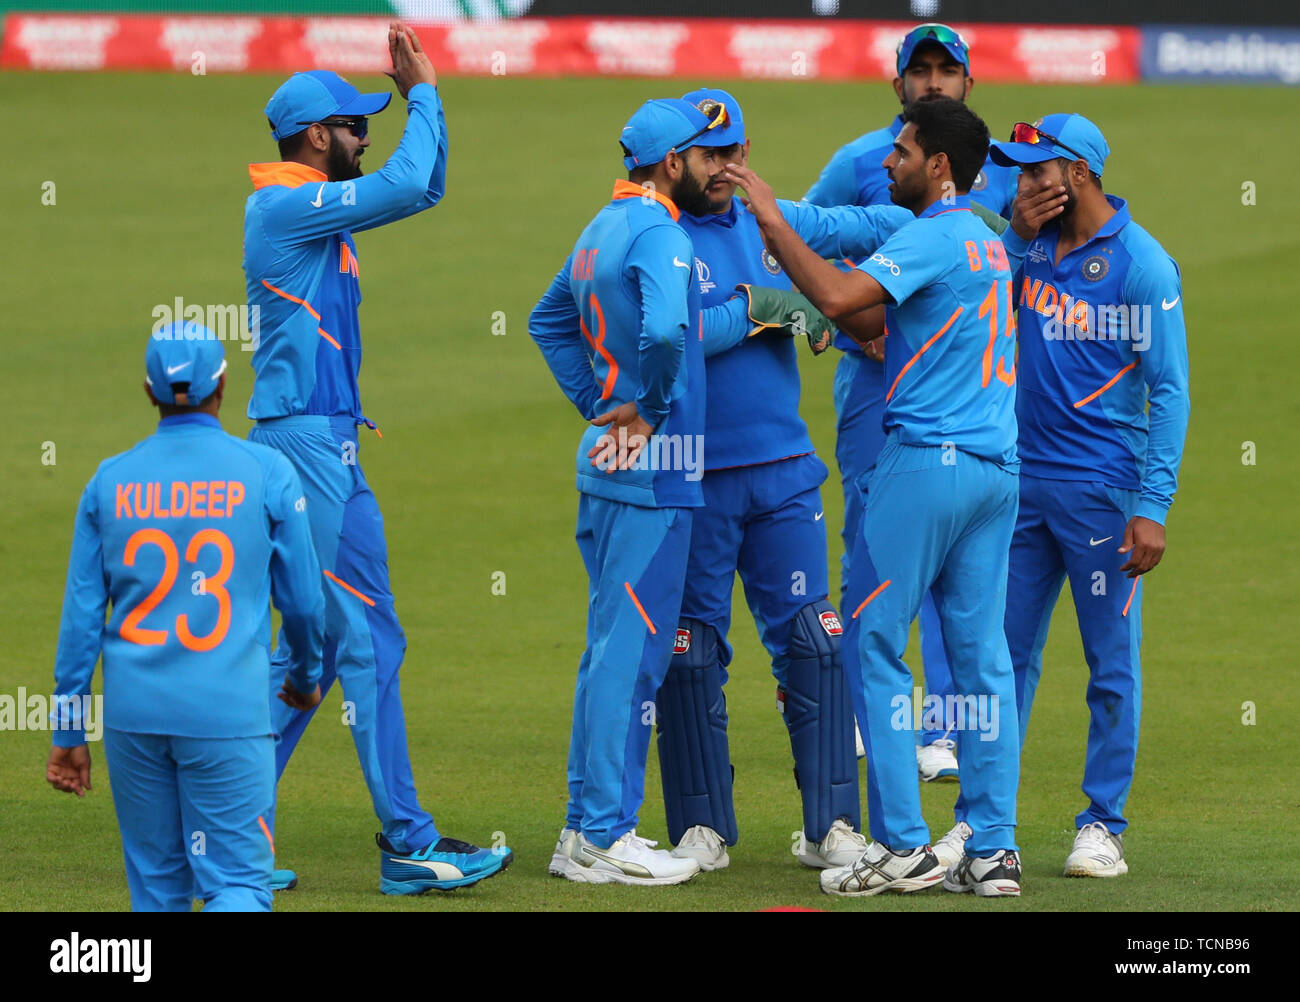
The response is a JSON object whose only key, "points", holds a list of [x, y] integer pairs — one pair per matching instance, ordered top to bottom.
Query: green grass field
{"points": [[474, 476]]}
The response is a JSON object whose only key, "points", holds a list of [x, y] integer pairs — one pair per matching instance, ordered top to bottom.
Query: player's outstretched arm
{"points": [[844, 231], [835, 293]]}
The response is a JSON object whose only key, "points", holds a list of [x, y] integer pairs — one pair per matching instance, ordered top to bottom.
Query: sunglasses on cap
{"points": [[940, 33], [718, 118], [359, 127], [1023, 132]]}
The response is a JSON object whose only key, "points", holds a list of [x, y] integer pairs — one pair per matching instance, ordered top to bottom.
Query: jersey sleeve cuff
{"points": [[1154, 510], [69, 738]]}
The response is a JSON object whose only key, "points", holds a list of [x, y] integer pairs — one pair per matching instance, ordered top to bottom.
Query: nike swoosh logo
{"points": [[319, 192], [680, 264], [1165, 305], [173, 369], [818, 516], [1098, 542], [631, 869], [443, 871]]}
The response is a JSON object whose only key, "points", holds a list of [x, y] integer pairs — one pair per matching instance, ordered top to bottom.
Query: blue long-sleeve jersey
{"points": [[854, 176], [301, 269], [621, 323], [1103, 360], [752, 415], [188, 536]]}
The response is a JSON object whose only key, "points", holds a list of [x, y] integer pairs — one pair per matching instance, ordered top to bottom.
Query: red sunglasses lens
{"points": [[1023, 133]]}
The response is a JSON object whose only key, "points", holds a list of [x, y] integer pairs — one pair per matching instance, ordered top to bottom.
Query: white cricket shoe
{"points": [[936, 761], [702, 844], [841, 847], [950, 849], [1098, 852], [561, 860], [630, 860], [878, 869], [996, 876]]}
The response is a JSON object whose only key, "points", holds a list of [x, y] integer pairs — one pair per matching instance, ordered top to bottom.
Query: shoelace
{"points": [[945, 743], [1095, 831], [635, 841]]}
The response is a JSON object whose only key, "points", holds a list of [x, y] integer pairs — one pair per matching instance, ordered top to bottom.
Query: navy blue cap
{"points": [[938, 34], [308, 97], [661, 125], [729, 133], [1076, 139], [183, 353]]}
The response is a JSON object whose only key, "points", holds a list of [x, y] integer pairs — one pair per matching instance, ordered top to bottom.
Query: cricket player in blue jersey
{"points": [[933, 61], [301, 269], [620, 329], [1103, 408], [940, 503], [762, 517], [187, 535]]}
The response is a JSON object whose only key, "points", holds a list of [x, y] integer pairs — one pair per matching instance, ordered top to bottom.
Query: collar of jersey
{"points": [[896, 126], [284, 172], [630, 189], [960, 203], [727, 219], [177, 421]]}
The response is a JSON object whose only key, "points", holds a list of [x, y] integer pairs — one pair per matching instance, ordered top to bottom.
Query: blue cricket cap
{"points": [[938, 34], [309, 97], [664, 124], [730, 132], [1072, 137], [183, 363]]}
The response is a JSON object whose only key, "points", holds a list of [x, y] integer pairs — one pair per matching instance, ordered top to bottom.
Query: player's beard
{"points": [[340, 164], [689, 195], [908, 196], [1071, 200]]}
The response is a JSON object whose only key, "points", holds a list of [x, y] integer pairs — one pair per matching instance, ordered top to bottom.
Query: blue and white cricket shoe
{"points": [[441, 866], [283, 880]]}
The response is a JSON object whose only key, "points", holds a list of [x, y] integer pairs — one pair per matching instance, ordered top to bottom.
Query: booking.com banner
{"points": [[615, 46]]}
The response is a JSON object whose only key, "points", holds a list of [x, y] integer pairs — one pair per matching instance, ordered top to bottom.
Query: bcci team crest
{"points": [[981, 181], [770, 263], [1095, 268], [831, 623], [682, 642]]}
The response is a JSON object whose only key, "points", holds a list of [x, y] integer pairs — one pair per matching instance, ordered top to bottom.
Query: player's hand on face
{"points": [[761, 200], [1037, 203], [628, 435], [1146, 541], [298, 700], [68, 769]]}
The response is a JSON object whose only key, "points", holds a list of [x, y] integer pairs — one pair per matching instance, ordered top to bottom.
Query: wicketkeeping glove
{"points": [[789, 313]]}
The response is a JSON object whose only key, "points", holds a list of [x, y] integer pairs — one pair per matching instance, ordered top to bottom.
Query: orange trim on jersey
{"points": [[285, 172], [630, 189], [307, 306], [598, 346], [924, 348], [1113, 380], [343, 584], [1130, 595], [867, 601], [639, 608], [267, 832]]}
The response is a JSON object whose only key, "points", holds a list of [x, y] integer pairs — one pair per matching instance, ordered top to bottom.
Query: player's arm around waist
{"points": [[556, 326]]}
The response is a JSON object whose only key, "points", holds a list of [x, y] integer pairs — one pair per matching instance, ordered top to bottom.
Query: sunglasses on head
{"points": [[718, 118], [359, 127], [1023, 132]]}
